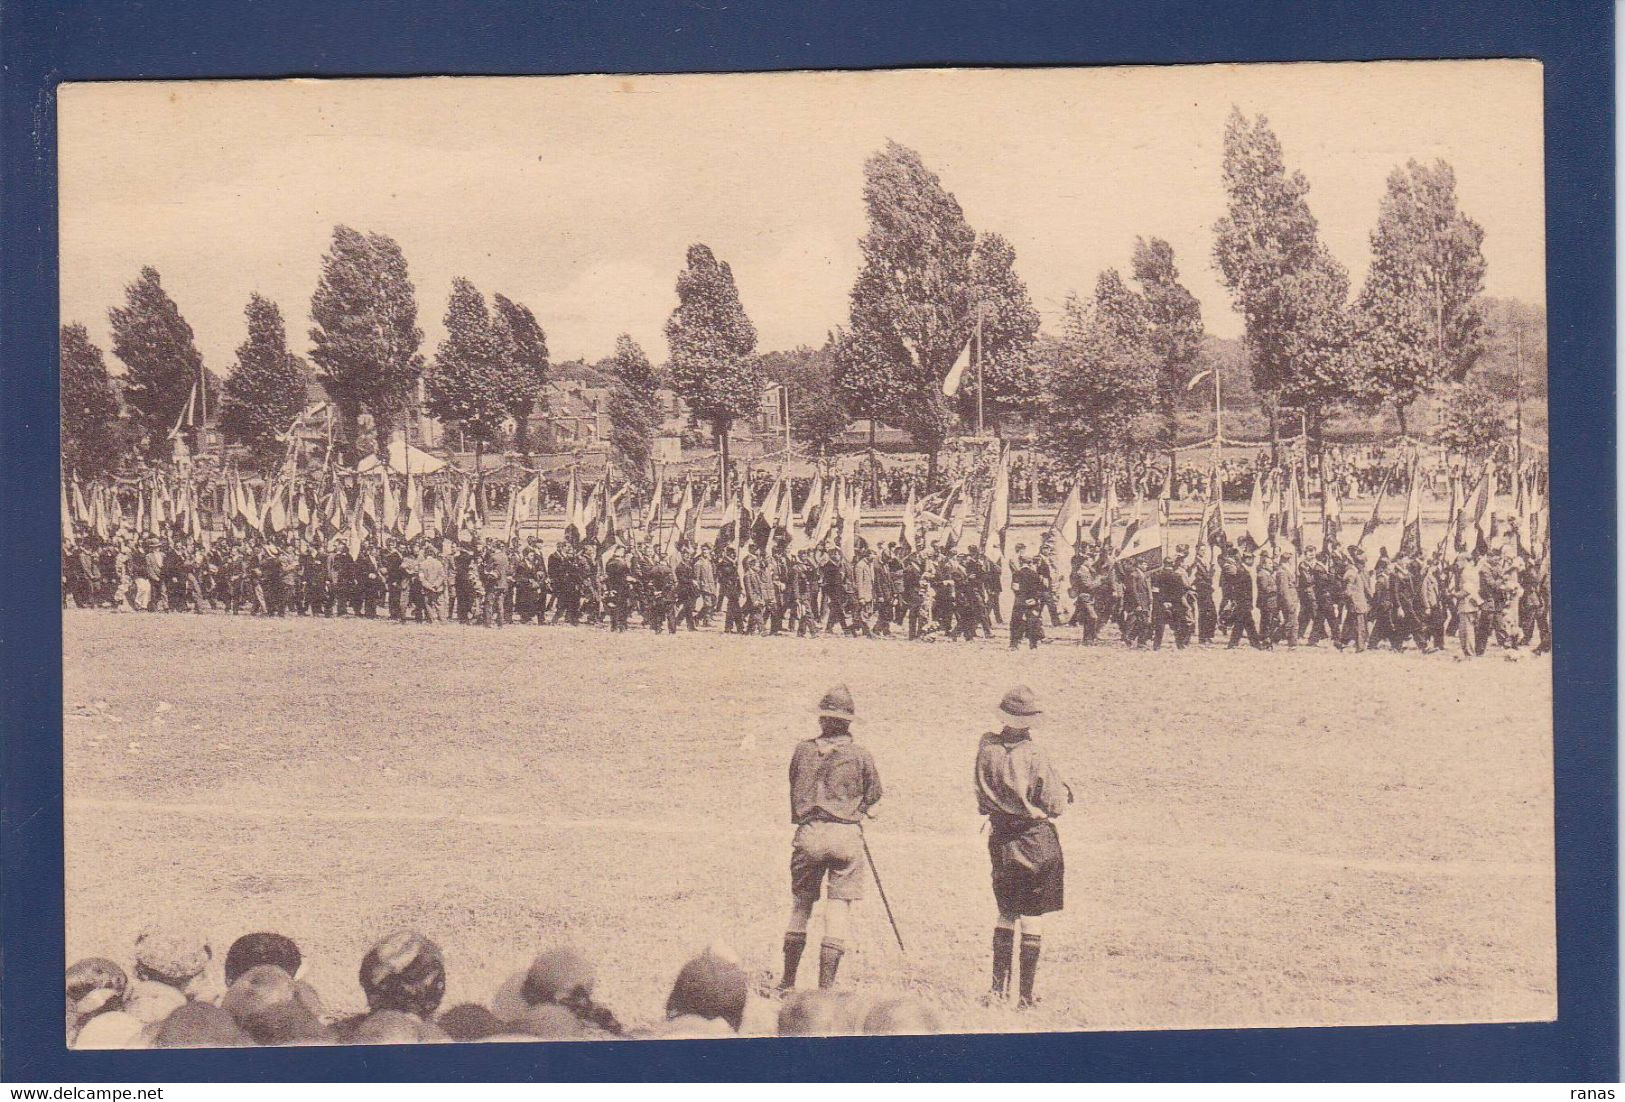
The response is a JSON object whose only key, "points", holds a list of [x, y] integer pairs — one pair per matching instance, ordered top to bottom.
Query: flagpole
{"points": [[980, 430]]}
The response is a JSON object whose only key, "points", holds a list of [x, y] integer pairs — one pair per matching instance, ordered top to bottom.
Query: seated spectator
{"points": [[252, 950], [169, 967], [406, 972], [563, 977], [95, 986], [708, 997], [274, 1009], [814, 1014], [901, 1016], [470, 1022], [200, 1025], [394, 1027]]}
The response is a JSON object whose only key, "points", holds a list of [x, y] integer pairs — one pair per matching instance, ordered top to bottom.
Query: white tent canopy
{"points": [[400, 453]]}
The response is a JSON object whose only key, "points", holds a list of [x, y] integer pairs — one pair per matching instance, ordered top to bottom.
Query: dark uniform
{"points": [[1019, 790]]}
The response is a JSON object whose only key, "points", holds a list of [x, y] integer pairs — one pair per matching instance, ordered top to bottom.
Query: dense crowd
{"points": [[1274, 595], [172, 997]]}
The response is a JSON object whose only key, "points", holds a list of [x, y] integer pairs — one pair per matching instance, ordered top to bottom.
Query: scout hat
{"points": [[837, 704], [1019, 708], [170, 954], [470, 1022]]}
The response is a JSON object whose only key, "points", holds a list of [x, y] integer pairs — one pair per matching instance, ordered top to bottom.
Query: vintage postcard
{"points": [[920, 551]]}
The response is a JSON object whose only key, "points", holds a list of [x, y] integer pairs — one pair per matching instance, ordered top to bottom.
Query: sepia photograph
{"points": [[820, 553]]}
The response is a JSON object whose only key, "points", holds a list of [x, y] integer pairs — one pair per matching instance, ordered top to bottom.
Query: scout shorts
{"points": [[833, 848], [1029, 873]]}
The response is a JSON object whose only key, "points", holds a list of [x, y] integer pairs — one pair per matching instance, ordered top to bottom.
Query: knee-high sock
{"points": [[794, 942], [1031, 945], [1004, 951], [829, 960]]}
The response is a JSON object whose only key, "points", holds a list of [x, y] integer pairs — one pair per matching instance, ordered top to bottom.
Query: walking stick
{"points": [[883, 900]]}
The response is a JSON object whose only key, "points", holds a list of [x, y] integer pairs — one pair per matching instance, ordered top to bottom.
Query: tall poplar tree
{"points": [[1290, 291], [1421, 310], [1173, 320], [366, 339], [711, 343], [524, 361], [163, 364], [1105, 374], [467, 382], [266, 388], [634, 408], [92, 442]]}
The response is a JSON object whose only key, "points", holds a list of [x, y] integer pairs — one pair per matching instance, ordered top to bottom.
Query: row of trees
{"points": [[929, 285]]}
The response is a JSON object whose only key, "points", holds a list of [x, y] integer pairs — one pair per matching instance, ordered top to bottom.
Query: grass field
{"points": [[1286, 838]]}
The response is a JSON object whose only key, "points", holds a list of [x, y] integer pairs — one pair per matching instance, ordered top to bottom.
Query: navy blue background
{"points": [[45, 43]]}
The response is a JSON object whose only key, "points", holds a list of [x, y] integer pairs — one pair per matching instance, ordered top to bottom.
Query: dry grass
{"points": [[1259, 839]]}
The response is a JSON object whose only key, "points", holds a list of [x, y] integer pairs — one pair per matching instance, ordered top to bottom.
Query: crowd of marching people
{"points": [[1266, 596], [174, 995]]}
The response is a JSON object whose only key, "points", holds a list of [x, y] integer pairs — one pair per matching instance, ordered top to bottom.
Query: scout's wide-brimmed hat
{"points": [[837, 704], [1019, 708]]}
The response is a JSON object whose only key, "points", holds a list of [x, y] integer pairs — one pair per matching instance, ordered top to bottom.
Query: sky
{"points": [[580, 195]]}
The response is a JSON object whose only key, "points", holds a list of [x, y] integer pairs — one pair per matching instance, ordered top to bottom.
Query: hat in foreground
{"points": [[837, 704], [1020, 706]]}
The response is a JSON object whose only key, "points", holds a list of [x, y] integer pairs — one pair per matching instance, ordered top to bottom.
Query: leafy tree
{"points": [[1289, 289], [911, 305], [1421, 312], [1173, 328], [1009, 329], [366, 338], [711, 343], [524, 362], [163, 364], [1104, 375], [468, 383], [266, 389], [634, 408], [818, 411], [1472, 419], [92, 440]]}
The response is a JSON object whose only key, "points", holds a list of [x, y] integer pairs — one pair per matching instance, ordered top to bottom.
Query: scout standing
{"points": [[833, 785], [1019, 791]]}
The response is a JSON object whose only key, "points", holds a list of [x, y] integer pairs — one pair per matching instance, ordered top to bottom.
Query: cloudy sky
{"points": [[579, 195]]}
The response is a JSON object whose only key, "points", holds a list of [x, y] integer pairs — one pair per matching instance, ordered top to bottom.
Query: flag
{"points": [[956, 373], [186, 418], [814, 504], [572, 505], [412, 508], [998, 508], [1331, 510], [651, 511], [1292, 512], [958, 513], [390, 515], [851, 515], [67, 517], [730, 519], [1375, 519], [679, 523], [691, 523], [1258, 525], [1473, 526], [1410, 529], [1211, 530], [1100, 532], [908, 533], [1063, 536], [1143, 540]]}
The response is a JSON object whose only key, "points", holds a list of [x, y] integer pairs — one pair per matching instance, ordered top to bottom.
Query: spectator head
{"points": [[253, 950], [171, 954], [404, 972], [559, 975], [95, 985], [712, 985], [151, 1001], [272, 1008], [812, 1014], [901, 1016], [548, 1021], [470, 1022], [200, 1025], [394, 1027], [115, 1029]]}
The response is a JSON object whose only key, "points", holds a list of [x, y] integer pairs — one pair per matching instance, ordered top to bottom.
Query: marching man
{"points": [[833, 785], [1020, 792]]}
